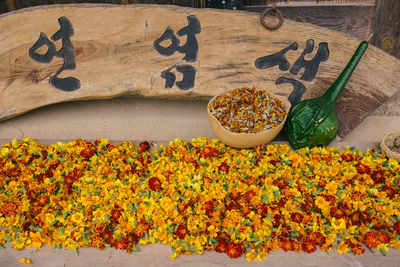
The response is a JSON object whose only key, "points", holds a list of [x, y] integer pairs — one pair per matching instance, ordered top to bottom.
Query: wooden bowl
{"points": [[245, 140], [388, 143]]}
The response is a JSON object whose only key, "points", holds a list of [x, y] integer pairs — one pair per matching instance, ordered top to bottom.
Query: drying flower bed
{"points": [[197, 196]]}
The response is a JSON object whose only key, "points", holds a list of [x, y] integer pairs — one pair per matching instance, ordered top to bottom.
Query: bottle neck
{"points": [[337, 87]]}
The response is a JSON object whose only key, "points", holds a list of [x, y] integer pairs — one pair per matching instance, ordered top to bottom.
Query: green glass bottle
{"points": [[315, 121]]}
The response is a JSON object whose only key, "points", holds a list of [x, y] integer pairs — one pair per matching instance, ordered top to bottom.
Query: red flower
{"points": [[110, 147], [143, 147], [88, 151], [209, 152], [347, 157], [223, 167], [362, 168], [378, 177], [154, 184], [390, 191], [250, 194], [207, 206], [233, 206], [182, 207], [262, 210], [335, 212], [115, 214], [296, 217], [277, 220], [397, 227], [98, 228], [141, 228], [182, 231], [383, 237], [318, 238], [131, 240], [97, 241], [121, 244], [286, 245], [221, 246], [309, 246], [356, 248], [234, 250]]}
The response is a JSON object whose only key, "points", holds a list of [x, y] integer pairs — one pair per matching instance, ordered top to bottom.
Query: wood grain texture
{"points": [[280, 3], [353, 20], [386, 26], [115, 56], [158, 255]]}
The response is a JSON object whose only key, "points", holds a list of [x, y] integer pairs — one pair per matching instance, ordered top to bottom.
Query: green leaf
{"points": [[264, 198], [297, 199], [231, 230], [84, 237], [7, 238], [212, 241], [258, 243], [135, 249], [76, 251], [383, 251]]}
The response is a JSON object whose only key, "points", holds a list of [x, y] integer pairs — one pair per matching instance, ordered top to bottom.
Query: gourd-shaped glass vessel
{"points": [[315, 121]]}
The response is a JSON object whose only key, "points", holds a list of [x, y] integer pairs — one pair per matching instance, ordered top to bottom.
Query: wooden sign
{"points": [[52, 54]]}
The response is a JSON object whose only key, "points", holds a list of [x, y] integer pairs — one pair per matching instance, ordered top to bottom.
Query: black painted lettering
{"points": [[310, 67]]}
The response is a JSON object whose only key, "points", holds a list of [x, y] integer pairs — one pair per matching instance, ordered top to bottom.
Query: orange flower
{"points": [[209, 152], [8, 208], [141, 228], [36, 238], [371, 240], [97, 241], [221, 246], [309, 246], [234, 250]]}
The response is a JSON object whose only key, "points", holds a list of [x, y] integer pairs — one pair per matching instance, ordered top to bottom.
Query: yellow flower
{"points": [[334, 171], [332, 187], [321, 203], [359, 205], [338, 224], [36, 238], [343, 248], [25, 261]]}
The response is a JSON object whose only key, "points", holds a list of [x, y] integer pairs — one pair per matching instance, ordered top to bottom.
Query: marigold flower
{"points": [[143, 147], [154, 184], [197, 196], [182, 231], [343, 247], [234, 250]]}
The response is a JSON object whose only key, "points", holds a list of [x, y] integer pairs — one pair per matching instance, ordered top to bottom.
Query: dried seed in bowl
{"points": [[247, 110]]}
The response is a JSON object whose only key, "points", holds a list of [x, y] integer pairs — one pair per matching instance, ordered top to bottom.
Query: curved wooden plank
{"points": [[116, 53]]}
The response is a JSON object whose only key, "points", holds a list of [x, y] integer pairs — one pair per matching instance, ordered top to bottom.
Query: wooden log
{"points": [[386, 26], [120, 50]]}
